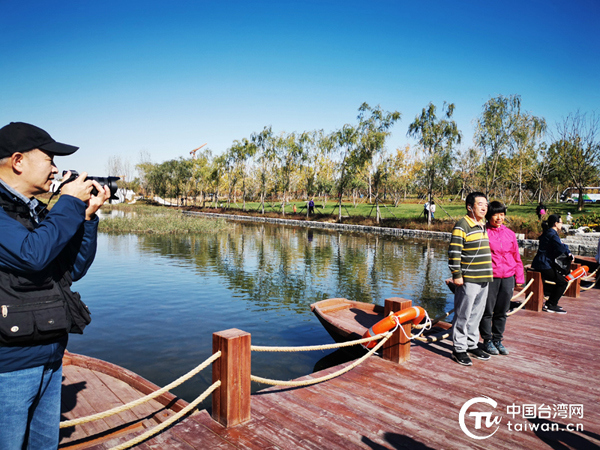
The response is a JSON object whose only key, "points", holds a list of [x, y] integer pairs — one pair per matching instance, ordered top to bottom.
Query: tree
{"points": [[525, 131], [492, 134], [437, 137], [265, 145], [358, 145], [577, 149], [290, 155], [467, 163], [542, 168], [200, 174]]}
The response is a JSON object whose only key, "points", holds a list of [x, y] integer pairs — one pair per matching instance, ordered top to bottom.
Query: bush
{"points": [[592, 221]]}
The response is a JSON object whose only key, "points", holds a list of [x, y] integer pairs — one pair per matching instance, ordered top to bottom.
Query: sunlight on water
{"points": [[156, 300]]}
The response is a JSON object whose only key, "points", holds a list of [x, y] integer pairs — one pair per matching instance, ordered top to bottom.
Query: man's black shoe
{"points": [[479, 354], [462, 358]]}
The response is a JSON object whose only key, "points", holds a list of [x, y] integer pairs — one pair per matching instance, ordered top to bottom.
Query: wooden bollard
{"points": [[574, 290], [536, 301], [397, 348], [231, 401]]}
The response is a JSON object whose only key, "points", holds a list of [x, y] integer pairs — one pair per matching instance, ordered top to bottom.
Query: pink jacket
{"points": [[506, 260]]}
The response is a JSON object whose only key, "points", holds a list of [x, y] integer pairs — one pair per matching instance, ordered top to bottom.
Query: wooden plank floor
{"points": [[380, 405]]}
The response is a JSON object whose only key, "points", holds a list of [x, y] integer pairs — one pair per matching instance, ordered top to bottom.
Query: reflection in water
{"points": [[156, 300]]}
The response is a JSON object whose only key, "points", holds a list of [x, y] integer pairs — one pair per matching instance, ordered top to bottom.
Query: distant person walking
{"points": [[426, 210], [432, 210], [540, 210], [507, 268]]}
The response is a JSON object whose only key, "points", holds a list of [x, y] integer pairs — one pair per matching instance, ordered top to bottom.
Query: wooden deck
{"points": [[380, 405]]}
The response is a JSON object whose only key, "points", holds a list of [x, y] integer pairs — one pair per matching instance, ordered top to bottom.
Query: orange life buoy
{"points": [[578, 273], [414, 313]]}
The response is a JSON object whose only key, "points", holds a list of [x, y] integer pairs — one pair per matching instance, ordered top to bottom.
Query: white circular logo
{"points": [[489, 422]]}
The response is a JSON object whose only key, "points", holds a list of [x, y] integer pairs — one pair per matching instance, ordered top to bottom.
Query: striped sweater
{"points": [[469, 253]]}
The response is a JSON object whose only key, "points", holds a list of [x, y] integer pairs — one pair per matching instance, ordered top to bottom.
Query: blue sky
{"points": [[120, 77]]}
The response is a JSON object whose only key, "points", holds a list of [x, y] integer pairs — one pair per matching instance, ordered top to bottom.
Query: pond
{"points": [[156, 300]]}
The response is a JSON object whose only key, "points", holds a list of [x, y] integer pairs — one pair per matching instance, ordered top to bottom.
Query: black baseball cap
{"points": [[22, 137]]}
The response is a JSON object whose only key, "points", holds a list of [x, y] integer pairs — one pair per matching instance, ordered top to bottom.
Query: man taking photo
{"points": [[41, 253]]}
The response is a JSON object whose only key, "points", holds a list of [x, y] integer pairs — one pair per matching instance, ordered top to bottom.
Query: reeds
{"points": [[158, 220]]}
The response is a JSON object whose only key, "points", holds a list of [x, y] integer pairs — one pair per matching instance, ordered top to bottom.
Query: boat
{"points": [[347, 320], [92, 386]]}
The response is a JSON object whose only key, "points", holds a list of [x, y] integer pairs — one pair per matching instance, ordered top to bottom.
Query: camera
{"points": [[111, 182]]}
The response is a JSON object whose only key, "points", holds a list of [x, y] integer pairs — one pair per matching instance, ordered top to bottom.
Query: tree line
{"points": [[515, 157]]}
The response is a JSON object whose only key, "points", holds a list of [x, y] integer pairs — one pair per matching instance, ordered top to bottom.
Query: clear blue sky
{"points": [[120, 77]]}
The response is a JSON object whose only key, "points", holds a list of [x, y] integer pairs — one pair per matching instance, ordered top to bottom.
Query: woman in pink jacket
{"points": [[508, 268]]}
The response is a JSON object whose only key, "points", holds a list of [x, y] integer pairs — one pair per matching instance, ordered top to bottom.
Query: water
{"points": [[156, 300]]}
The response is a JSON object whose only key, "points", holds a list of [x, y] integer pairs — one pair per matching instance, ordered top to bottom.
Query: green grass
{"points": [[414, 210], [521, 219]]}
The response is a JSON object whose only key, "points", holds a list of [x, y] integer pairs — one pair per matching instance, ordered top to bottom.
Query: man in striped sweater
{"points": [[470, 262]]}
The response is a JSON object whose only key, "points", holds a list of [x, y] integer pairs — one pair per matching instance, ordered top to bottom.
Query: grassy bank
{"points": [[141, 218], [146, 218], [521, 219]]}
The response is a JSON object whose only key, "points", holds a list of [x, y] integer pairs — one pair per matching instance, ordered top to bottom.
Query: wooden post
{"points": [[575, 289], [536, 301], [397, 348], [231, 401]]}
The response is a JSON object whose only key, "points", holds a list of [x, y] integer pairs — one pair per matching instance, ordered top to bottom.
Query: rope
{"points": [[589, 287], [522, 290], [521, 305], [434, 321], [426, 326], [385, 337], [438, 337], [259, 348], [139, 401], [170, 420]]}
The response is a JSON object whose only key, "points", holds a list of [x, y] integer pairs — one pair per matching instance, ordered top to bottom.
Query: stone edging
{"points": [[576, 249]]}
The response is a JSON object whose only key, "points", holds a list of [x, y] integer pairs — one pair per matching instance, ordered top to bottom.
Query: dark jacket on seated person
{"points": [[549, 248]]}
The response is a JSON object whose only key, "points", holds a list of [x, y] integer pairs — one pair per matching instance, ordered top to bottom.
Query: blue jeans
{"points": [[30, 408]]}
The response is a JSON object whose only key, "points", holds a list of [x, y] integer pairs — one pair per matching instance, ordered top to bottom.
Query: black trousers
{"points": [[554, 291], [493, 322]]}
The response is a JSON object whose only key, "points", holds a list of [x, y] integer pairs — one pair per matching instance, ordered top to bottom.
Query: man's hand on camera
{"points": [[79, 187], [96, 201]]}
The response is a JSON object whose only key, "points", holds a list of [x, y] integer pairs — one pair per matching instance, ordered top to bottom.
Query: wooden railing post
{"points": [[575, 289], [536, 301], [397, 348], [231, 401]]}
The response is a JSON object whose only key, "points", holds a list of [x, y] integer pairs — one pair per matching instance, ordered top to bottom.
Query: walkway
{"points": [[554, 361]]}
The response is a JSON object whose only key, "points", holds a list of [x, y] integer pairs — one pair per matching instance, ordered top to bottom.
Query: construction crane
{"points": [[193, 152]]}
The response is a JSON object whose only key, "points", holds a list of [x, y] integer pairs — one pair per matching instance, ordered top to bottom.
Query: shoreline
{"points": [[576, 248]]}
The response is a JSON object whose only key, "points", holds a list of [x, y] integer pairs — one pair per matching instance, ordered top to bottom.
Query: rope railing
{"points": [[527, 286], [521, 305], [434, 321], [384, 338], [435, 338], [260, 348], [139, 401], [170, 420]]}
